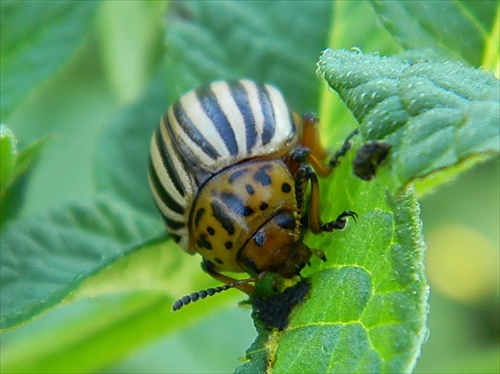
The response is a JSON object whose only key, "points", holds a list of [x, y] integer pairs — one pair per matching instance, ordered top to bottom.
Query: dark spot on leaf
{"points": [[368, 158], [275, 311]]}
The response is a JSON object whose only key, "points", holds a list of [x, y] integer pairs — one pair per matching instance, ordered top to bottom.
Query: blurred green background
{"points": [[461, 219]]}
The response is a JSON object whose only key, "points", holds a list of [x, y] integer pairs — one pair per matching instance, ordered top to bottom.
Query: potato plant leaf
{"points": [[191, 28], [456, 29], [206, 42], [33, 51], [435, 115], [127, 140], [8, 153], [15, 166], [46, 257], [367, 308]]}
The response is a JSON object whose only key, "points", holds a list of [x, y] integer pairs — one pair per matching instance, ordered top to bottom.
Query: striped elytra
{"points": [[206, 130], [229, 167]]}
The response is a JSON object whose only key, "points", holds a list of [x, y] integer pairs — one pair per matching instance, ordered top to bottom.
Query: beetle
{"points": [[229, 168]]}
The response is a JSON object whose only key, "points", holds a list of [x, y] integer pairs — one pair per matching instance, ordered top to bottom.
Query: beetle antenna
{"points": [[195, 296]]}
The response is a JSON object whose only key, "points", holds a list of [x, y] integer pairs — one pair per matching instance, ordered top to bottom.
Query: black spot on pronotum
{"points": [[236, 175], [261, 175], [286, 188], [249, 189], [235, 204], [263, 206], [211, 231], [202, 242], [228, 245], [218, 260]]}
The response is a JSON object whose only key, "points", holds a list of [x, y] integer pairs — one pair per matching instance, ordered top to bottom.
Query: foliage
{"points": [[107, 251]]}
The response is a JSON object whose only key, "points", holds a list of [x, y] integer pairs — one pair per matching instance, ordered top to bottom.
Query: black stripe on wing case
{"points": [[240, 96], [212, 109], [268, 113], [192, 132], [172, 173], [162, 193], [173, 225], [175, 238]]}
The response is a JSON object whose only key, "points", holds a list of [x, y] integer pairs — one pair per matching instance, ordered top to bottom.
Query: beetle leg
{"points": [[310, 137], [310, 149], [315, 152], [305, 155], [335, 160], [302, 176], [340, 222], [319, 254], [242, 285]]}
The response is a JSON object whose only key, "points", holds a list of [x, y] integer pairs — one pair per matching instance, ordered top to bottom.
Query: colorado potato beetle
{"points": [[229, 167]]}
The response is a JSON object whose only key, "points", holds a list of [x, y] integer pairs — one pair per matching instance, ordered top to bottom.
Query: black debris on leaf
{"points": [[368, 158], [275, 310]]}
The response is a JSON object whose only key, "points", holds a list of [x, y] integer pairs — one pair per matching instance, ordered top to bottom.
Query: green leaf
{"points": [[191, 28], [456, 29], [130, 34], [371, 37], [38, 39], [271, 42], [436, 116], [126, 142], [8, 153], [15, 168], [46, 257], [367, 308], [112, 313], [103, 331]]}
